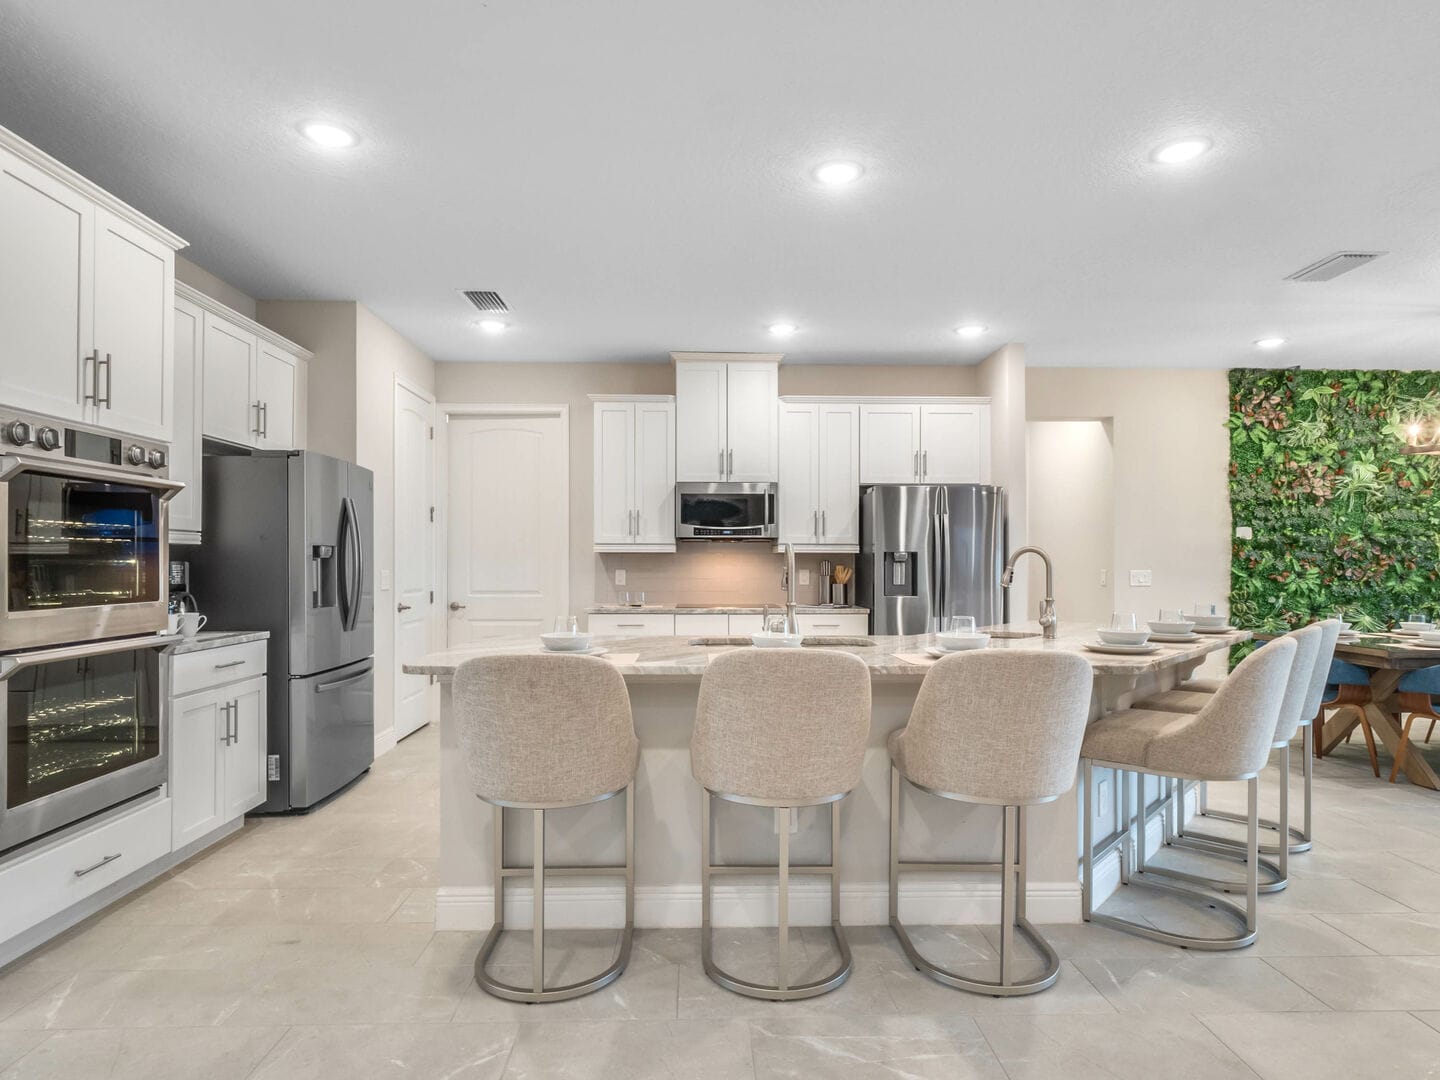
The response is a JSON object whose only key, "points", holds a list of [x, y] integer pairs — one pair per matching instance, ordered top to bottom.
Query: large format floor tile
{"points": [[1367, 982], [1193, 984], [1330, 1046], [923, 1047], [1177, 1047], [635, 1050], [384, 1051], [170, 1053]]}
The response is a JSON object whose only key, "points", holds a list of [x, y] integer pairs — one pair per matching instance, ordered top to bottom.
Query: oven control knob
{"points": [[18, 432], [47, 438], [136, 455], [157, 459]]}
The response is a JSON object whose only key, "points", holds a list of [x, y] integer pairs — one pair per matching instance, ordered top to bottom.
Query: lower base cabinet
{"points": [[217, 757]]}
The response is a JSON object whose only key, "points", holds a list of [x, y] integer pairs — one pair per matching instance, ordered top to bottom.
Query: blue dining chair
{"points": [[1348, 690], [1417, 693]]}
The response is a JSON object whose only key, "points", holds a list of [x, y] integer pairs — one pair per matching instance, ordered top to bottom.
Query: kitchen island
{"points": [[663, 678]]}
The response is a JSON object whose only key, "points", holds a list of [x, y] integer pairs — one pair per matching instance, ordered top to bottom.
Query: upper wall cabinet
{"points": [[85, 299], [189, 403], [726, 413], [938, 442], [635, 474], [820, 475]]}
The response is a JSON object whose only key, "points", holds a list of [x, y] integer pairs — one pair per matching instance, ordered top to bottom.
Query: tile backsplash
{"points": [[712, 574]]}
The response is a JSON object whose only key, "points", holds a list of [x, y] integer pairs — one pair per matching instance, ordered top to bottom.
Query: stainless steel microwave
{"points": [[733, 511]]}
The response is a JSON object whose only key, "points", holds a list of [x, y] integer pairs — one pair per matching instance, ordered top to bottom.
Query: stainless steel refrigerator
{"points": [[288, 542], [928, 551]]}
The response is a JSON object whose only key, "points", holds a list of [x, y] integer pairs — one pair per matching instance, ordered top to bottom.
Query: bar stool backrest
{"points": [[1329, 635], [1308, 640], [782, 726], [999, 727], [544, 730], [1230, 738]]}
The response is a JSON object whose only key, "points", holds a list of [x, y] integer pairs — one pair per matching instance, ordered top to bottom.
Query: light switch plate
{"points": [[1244, 532], [619, 577], [1104, 577], [1140, 578], [384, 580]]}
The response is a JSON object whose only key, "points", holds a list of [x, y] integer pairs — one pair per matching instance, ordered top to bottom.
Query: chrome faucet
{"points": [[1047, 606], [792, 623]]}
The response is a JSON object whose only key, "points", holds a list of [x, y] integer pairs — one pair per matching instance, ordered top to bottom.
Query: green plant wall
{"points": [[1343, 522]]}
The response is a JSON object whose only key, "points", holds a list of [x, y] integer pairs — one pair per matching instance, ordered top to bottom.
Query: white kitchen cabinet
{"points": [[85, 292], [227, 366], [276, 378], [726, 418], [938, 442], [185, 446], [890, 448], [634, 475], [820, 475], [706, 623], [650, 624], [827, 624], [743, 625], [197, 762], [244, 786]]}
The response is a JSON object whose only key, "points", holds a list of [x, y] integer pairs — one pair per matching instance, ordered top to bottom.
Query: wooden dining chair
{"points": [[1348, 692], [1416, 697]]}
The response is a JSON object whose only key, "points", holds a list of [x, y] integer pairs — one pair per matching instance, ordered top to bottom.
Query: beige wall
{"points": [[198, 277], [328, 329], [1001, 378], [876, 380], [1172, 459], [1071, 470]]}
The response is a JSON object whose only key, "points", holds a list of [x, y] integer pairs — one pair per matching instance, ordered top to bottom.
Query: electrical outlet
{"points": [[1244, 532], [619, 577], [802, 577], [1104, 578], [1139, 578]]}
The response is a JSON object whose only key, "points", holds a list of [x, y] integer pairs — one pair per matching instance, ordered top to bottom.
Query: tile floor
{"points": [[304, 947]]}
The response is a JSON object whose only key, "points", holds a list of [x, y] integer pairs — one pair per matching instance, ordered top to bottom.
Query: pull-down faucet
{"points": [[1047, 606], [792, 623]]}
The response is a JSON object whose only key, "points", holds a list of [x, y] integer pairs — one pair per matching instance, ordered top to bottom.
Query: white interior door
{"points": [[509, 520], [416, 700]]}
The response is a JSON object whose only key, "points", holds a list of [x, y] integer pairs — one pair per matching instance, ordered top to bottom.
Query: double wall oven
{"points": [[82, 672]]}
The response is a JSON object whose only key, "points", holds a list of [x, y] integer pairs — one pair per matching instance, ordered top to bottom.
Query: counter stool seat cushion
{"points": [[1201, 686], [1178, 700], [545, 730], [1124, 737]]}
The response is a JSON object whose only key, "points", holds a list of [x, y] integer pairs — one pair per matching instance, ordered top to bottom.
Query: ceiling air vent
{"points": [[1332, 266], [486, 300]]}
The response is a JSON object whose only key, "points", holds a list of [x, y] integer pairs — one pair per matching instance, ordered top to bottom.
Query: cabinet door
{"points": [[46, 292], [134, 335], [227, 364], [276, 376], [751, 417], [700, 421], [890, 446], [185, 447], [952, 450], [799, 466], [614, 472], [838, 483], [654, 497], [646, 625], [245, 755], [197, 765]]}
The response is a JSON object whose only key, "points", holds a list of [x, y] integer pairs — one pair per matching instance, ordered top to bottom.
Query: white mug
{"points": [[190, 622], [172, 623]]}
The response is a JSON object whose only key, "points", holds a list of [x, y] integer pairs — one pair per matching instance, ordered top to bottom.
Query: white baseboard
{"points": [[385, 741]]}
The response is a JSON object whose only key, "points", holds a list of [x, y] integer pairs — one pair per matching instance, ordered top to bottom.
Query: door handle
{"points": [[264, 419], [256, 429], [722, 463], [917, 465], [815, 522], [823, 530], [455, 605], [402, 606], [225, 712], [234, 722], [96, 866]]}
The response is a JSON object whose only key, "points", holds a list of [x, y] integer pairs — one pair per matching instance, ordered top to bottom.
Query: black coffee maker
{"points": [[180, 598]]}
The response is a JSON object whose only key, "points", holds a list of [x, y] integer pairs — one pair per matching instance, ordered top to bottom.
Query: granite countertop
{"points": [[752, 609], [215, 639], [675, 657]]}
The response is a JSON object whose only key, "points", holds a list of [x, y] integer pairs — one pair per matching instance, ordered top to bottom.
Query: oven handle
{"points": [[13, 464], [16, 662]]}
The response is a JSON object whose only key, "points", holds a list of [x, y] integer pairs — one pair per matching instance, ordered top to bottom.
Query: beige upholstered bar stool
{"points": [[1292, 708], [779, 728], [1002, 728], [542, 733], [1228, 739]]}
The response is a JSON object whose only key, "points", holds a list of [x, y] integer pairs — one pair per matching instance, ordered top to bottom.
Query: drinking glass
{"points": [[1207, 609], [1172, 615], [1418, 616], [1127, 621], [567, 624], [960, 624], [776, 625]]}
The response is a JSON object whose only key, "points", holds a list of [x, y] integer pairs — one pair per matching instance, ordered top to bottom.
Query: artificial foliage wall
{"points": [[1343, 522]]}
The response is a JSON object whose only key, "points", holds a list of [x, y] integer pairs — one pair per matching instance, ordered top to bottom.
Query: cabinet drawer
{"points": [[702, 624], [746, 624], [632, 625], [825, 625], [215, 667], [38, 886]]}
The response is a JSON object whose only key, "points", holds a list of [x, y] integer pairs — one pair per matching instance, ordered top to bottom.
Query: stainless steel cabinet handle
{"points": [[94, 394], [106, 400], [264, 419], [256, 429], [722, 463], [917, 464], [924, 464], [730, 468], [815, 522], [637, 524], [823, 530], [455, 605], [402, 606], [629, 626], [825, 626], [228, 664], [225, 712], [234, 722], [103, 862]]}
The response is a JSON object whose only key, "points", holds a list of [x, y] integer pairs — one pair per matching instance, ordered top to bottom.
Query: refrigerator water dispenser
{"points": [[899, 573]]}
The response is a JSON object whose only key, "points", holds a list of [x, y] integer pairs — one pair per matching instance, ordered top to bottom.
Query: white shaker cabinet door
{"points": [[46, 292], [134, 337], [276, 376], [700, 405], [231, 411], [751, 421], [955, 444], [890, 446], [799, 466], [614, 472], [838, 483], [654, 488], [185, 507], [197, 765], [245, 781]]}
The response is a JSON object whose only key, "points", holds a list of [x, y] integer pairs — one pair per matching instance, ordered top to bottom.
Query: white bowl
{"points": [[1208, 620], [1417, 626], [1176, 628], [1123, 637], [776, 641], [563, 642], [961, 642]]}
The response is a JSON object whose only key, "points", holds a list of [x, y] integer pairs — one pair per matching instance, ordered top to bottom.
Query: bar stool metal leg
{"points": [[1301, 840], [536, 871], [1012, 906], [782, 990]]}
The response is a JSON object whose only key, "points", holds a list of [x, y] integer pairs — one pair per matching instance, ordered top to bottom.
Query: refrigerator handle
{"points": [[342, 556], [945, 568], [358, 587]]}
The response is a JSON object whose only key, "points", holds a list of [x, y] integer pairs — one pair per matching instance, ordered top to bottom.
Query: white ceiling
{"points": [[633, 176]]}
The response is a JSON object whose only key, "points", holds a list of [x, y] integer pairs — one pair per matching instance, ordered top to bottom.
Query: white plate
{"points": [[1415, 627], [1216, 629], [1122, 637], [1176, 639], [775, 641], [962, 643], [593, 650], [1121, 650]]}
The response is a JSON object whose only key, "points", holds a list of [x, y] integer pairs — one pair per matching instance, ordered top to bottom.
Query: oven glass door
{"points": [[76, 543], [72, 721]]}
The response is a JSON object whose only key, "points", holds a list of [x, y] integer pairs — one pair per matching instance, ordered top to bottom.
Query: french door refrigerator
{"points": [[288, 547], [928, 551]]}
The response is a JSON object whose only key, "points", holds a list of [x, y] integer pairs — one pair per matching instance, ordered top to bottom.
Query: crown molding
{"points": [[215, 307], [727, 357]]}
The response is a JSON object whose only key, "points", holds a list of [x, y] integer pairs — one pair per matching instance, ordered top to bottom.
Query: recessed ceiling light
{"points": [[330, 136], [1182, 150], [838, 173], [493, 326], [783, 329], [971, 331], [1270, 343]]}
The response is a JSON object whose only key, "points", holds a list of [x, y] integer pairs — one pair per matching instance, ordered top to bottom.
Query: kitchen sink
{"points": [[1011, 633], [808, 642]]}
